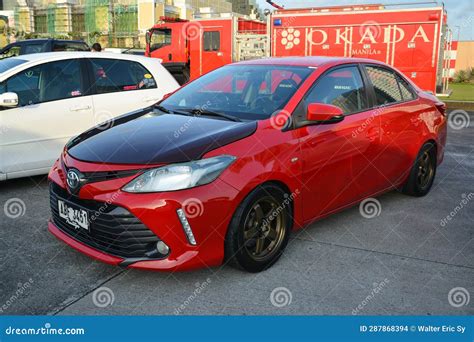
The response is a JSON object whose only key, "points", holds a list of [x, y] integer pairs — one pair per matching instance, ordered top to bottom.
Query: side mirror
{"points": [[148, 37], [8, 100], [324, 113]]}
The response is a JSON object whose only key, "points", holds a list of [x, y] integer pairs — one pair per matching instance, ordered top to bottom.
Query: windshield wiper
{"points": [[163, 109], [169, 111], [197, 111]]}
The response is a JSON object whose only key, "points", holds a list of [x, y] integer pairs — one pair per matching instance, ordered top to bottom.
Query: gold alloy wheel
{"points": [[425, 170], [264, 228]]}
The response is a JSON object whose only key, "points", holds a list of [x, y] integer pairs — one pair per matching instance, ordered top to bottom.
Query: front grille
{"points": [[100, 176], [112, 229]]}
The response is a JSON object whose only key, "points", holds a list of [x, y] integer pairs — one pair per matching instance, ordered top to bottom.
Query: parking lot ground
{"points": [[403, 261]]}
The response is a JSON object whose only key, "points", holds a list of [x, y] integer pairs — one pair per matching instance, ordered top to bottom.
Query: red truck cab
{"points": [[166, 41], [192, 48]]}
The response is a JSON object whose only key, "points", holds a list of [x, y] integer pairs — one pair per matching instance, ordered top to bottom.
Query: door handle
{"points": [[79, 108]]}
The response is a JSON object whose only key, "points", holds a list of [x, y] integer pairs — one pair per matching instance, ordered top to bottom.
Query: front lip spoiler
{"points": [[92, 252]]}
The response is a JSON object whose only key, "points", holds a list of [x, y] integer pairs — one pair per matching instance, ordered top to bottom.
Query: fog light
{"points": [[186, 226], [162, 248]]}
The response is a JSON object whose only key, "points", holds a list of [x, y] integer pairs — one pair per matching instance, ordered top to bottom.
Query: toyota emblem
{"points": [[73, 179]]}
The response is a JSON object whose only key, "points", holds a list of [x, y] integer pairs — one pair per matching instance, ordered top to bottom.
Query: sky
{"points": [[460, 12]]}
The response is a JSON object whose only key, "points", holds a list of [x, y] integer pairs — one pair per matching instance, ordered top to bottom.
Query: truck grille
{"points": [[113, 229]]}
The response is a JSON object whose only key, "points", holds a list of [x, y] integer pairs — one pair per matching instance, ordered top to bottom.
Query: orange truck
{"points": [[412, 38]]}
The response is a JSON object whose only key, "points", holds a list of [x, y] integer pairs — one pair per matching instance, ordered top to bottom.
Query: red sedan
{"points": [[223, 169]]}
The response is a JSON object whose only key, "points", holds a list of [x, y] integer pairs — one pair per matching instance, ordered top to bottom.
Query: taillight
{"points": [[441, 106]]}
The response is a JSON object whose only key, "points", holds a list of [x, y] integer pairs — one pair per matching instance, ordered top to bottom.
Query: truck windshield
{"points": [[160, 38], [246, 92]]}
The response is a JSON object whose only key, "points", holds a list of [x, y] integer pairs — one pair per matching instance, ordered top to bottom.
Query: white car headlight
{"points": [[180, 176]]}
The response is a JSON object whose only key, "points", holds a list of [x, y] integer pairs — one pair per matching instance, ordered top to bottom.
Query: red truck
{"points": [[412, 39], [192, 48]]}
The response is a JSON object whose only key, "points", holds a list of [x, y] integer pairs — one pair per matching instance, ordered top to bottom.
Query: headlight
{"points": [[180, 176]]}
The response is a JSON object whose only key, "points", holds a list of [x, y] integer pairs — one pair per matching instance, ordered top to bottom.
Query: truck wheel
{"points": [[422, 173], [259, 230]]}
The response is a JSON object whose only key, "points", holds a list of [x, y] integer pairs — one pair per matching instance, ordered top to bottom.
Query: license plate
{"points": [[73, 216]]}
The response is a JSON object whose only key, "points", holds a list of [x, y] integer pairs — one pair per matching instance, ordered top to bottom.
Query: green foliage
{"points": [[464, 76]]}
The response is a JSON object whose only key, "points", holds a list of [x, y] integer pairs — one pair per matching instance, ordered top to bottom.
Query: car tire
{"points": [[423, 172], [259, 230]]}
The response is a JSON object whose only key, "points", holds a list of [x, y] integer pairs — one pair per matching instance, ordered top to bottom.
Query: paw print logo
{"points": [[291, 37]]}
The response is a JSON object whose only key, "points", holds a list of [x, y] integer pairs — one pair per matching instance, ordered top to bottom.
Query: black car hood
{"points": [[151, 137]]}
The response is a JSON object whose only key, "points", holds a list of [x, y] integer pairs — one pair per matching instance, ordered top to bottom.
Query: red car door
{"points": [[398, 110], [337, 165]]}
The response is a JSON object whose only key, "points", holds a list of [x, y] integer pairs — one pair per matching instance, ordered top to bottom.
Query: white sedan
{"points": [[47, 98]]}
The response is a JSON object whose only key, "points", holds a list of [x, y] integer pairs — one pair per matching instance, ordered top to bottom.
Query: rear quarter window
{"points": [[114, 75]]}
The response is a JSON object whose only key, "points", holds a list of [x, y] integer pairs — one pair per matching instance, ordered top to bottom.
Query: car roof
{"points": [[44, 40], [51, 56], [45, 57], [313, 61]]}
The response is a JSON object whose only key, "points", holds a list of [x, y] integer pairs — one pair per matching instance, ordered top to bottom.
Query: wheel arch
{"points": [[435, 146]]}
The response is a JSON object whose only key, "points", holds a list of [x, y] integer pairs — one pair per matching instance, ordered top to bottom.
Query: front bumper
{"points": [[208, 208]]}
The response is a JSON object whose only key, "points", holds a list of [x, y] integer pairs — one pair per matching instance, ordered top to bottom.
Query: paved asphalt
{"points": [[404, 261]]}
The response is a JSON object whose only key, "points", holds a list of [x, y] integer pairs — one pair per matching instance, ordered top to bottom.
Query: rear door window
{"points": [[114, 75], [385, 84]]}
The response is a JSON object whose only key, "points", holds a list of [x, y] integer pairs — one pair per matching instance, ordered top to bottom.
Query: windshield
{"points": [[160, 38], [9, 63], [247, 92]]}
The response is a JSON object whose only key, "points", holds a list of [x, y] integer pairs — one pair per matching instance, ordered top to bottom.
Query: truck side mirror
{"points": [[148, 37], [8, 100]]}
